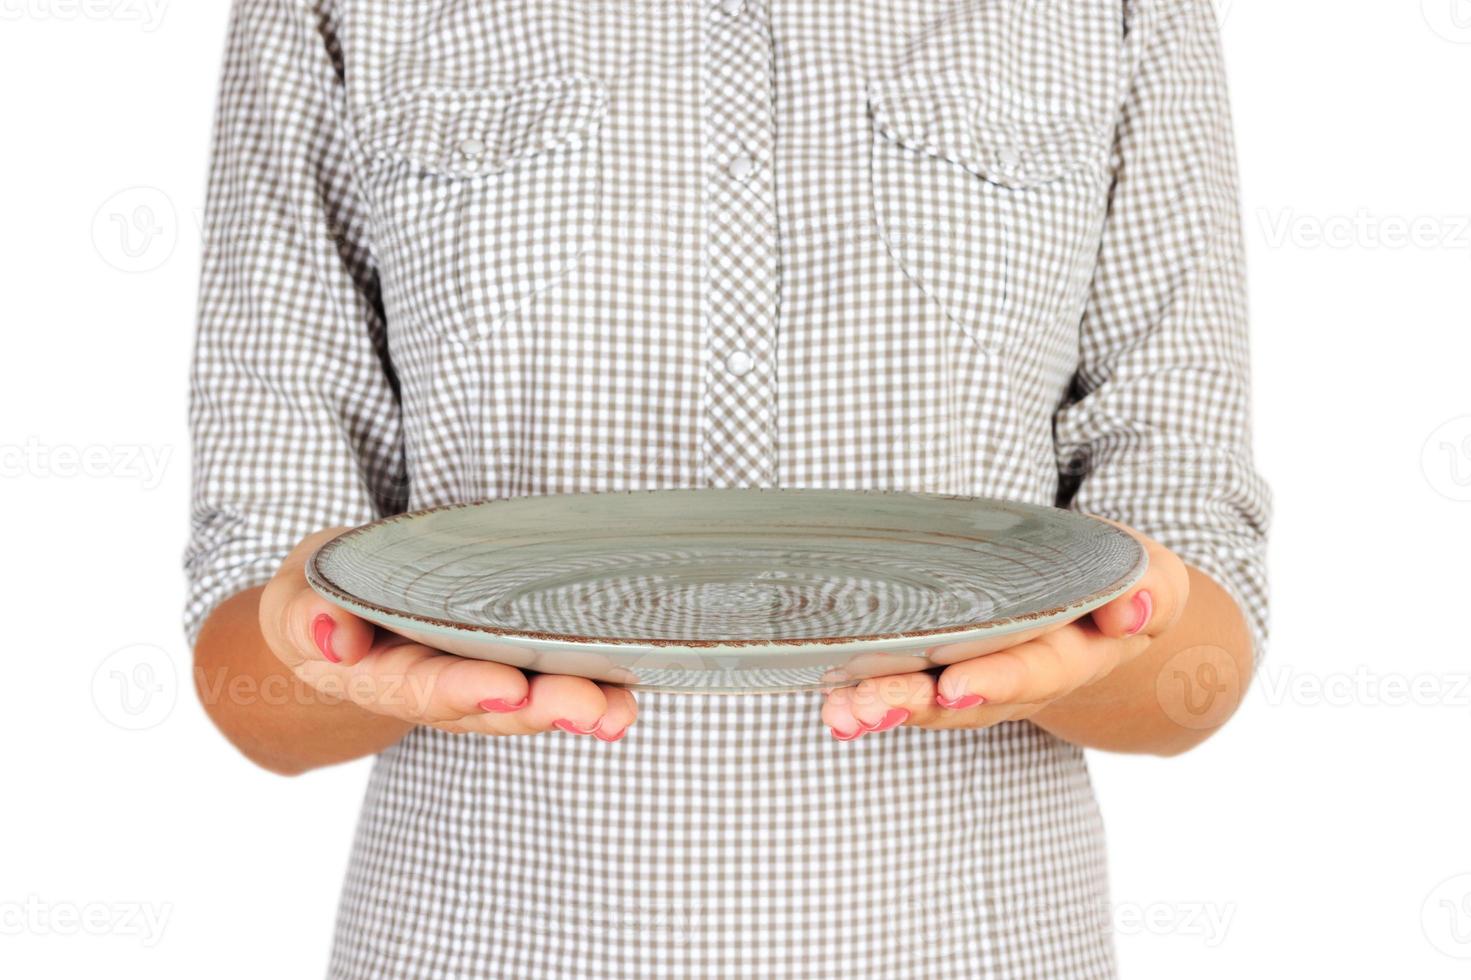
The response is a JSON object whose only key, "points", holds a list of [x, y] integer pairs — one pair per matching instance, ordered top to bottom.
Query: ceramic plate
{"points": [[725, 590]]}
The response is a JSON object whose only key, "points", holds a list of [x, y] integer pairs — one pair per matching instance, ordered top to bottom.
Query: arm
{"points": [[293, 418], [295, 424], [1158, 431], [1155, 436], [1155, 671], [296, 683], [1157, 702], [287, 726]]}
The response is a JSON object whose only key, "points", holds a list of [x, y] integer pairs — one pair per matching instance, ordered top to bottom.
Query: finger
{"points": [[1153, 604], [300, 625], [317, 628], [1038, 671], [396, 677], [419, 684], [428, 687], [457, 687], [883, 703], [574, 705], [879, 705], [621, 713], [837, 715]]}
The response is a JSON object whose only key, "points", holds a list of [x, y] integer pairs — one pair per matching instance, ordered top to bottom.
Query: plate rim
{"points": [[325, 587]]}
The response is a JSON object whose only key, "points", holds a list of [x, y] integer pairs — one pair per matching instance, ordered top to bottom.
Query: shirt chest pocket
{"points": [[483, 199], [992, 206]]}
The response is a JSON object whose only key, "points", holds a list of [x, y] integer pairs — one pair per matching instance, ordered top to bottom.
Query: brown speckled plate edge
{"points": [[390, 617]]}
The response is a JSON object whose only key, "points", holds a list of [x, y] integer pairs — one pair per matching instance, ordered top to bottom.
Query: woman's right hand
{"points": [[348, 658]]}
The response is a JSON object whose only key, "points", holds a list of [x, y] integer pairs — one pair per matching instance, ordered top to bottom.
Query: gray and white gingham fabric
{"points": [[460, 249]]}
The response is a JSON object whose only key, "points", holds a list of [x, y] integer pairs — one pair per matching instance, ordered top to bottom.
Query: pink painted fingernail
{"points": [[1143, 611], [322, 628], [955, 704], [503, 706], [892, 719], [572, 728], [845, 736], [609, 738]]}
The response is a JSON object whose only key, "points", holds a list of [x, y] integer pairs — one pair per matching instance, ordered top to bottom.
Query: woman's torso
{"points": [[628, 244]]}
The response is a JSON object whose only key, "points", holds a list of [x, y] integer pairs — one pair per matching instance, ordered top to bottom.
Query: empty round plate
{"points": [[726, 591]]}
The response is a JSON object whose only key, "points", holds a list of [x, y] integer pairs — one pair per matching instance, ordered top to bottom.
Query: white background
{"points": [[1324, 833]]}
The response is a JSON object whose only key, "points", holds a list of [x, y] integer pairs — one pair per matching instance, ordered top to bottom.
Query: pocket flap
{"points": [[470, 132], [998, 136]]}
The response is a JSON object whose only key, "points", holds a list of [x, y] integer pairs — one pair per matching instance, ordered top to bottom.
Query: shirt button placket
{"points": [[740, 260]]}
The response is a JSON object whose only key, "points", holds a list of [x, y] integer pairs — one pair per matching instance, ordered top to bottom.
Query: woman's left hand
{"points": [[1041, 667]]}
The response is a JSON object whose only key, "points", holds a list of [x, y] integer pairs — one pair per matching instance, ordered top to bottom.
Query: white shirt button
{"points": [[732, 7], [472, 147], [1008, 159], [742, 167], [739, 362]]}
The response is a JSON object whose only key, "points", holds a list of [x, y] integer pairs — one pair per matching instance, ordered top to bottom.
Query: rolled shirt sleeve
{"points": [[294, 416], [1156, 432]]}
